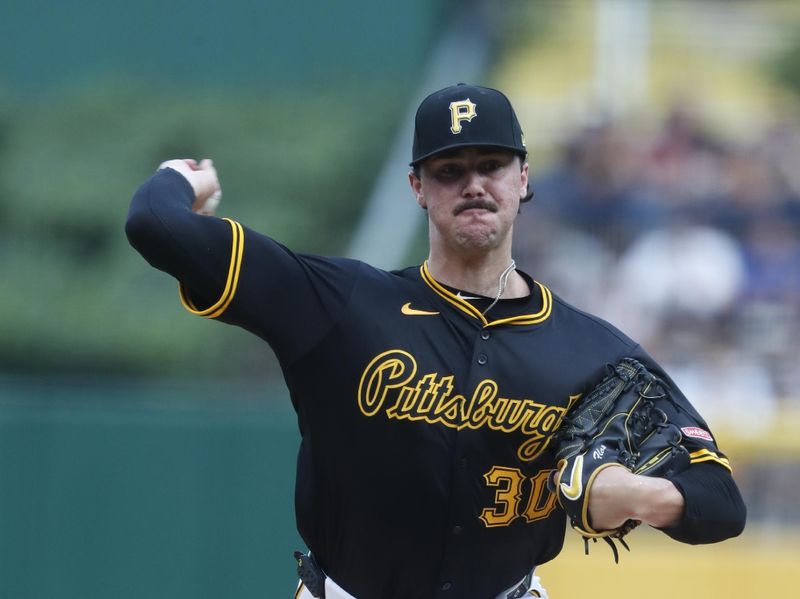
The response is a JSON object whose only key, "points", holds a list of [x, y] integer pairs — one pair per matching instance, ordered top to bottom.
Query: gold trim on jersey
{"points": [[231, 283], [470, 310], [706, 455]]}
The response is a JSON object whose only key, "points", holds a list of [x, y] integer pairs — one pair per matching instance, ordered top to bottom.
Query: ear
{"points": [[523, 181], [416, 187]]}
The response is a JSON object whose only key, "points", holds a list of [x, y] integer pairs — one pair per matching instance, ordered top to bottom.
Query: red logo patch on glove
{"points": [[697, 433]]}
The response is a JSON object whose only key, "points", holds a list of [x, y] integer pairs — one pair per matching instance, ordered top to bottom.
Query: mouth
{"points": [[474, 205]]}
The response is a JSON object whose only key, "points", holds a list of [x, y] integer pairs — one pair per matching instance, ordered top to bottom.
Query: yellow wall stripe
{"points": [[231, 283]]}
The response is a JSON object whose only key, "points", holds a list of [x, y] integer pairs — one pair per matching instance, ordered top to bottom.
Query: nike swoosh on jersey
{"points": [[467, 297], [409, 311], [575, 487]]}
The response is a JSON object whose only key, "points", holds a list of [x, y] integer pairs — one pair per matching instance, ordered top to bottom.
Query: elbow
{"points": [[157, 202], [135, 227], [140, 229], [147, 234], [714, 509], [732, 516], [738, 519], [727, 522], [727, 527], [720, 530], [696, 531]]}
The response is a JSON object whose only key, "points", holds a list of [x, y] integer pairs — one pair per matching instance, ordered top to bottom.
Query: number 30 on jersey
{"points": [[514, 499]]}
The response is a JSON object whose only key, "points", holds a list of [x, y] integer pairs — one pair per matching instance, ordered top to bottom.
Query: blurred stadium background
{"points": [[146, 453]]}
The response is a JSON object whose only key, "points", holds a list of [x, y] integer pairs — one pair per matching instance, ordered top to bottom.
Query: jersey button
{"points": [[485, 335], [482, 359], [462, 463], [456, 530], [447, 586]]}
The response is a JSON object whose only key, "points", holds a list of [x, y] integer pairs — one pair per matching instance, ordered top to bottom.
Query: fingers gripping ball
{"points": [[203, 178], [209, 206], [619, 423]]}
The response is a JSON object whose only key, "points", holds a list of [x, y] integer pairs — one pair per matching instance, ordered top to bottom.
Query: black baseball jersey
{"points": [[425, 424]]}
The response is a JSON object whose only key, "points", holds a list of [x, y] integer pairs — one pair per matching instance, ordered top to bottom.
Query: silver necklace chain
{"points": [[501, 287]]}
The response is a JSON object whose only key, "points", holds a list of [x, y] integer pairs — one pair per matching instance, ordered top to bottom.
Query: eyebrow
{"points": [[483, 151]]}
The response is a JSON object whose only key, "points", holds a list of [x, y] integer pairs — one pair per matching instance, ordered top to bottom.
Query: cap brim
{"points": [[467, 144]]}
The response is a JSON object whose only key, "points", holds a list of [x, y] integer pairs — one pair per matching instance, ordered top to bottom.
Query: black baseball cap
{"points": [[465, 115]]}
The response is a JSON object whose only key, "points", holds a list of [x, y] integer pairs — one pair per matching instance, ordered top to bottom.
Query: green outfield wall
{"points": [[212, 44], [130, 491]]}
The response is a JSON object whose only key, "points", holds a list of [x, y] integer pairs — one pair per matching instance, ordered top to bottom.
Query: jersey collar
{"points": [[471, 311]]}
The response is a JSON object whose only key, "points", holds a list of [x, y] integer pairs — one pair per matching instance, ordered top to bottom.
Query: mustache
{"points": [[476, 203]]}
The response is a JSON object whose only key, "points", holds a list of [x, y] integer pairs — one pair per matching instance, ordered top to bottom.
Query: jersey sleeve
{"points": [[232, 274], [714, 508]]}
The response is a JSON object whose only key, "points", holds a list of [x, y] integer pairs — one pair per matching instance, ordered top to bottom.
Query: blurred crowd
{"points": [[688, 243]]}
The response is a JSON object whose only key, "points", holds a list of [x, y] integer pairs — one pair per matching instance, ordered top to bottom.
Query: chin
{"points": [[477, 240]]}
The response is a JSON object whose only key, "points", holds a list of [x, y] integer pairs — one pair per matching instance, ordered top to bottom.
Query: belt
{"points": [[311, 575], [314, 582], [519, 590]]}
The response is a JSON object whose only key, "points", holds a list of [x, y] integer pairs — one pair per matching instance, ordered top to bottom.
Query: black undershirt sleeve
{"points": [[161, 226], [232, 274], [714, 508]]}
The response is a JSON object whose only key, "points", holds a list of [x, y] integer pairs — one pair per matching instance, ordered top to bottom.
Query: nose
{"points": [[473, 185]]}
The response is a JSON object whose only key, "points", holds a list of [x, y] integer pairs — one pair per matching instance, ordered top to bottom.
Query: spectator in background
{"points": [[682, 165], [595, 184], [705, 234], [685, 272], [768, 315]]}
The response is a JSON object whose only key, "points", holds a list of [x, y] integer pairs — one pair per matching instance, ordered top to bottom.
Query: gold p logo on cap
{"points": [[461, 110]]}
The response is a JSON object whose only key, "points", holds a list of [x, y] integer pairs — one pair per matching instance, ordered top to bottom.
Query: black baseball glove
{"points": [[623, 421]]}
